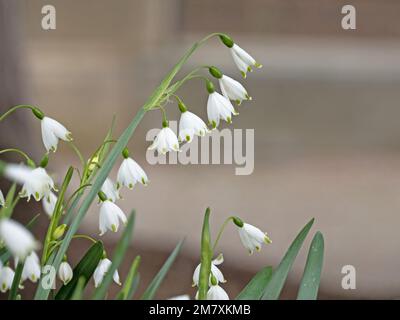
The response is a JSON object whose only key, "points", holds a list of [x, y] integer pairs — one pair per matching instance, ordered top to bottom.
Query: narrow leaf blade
{"points": [[312, 272], [277, 281], [156, 282], [255, 289]]}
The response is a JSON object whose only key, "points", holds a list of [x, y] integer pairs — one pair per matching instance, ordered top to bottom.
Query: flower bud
{"points": [[226, 40], [215, 72], [210, 86], [38, 113], [125, 153], [238, 222], [59, 232]]}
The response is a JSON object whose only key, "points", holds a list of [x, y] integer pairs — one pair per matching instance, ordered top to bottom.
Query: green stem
{"points": [[8, 112], [20, 152], [78, 153], [56, 215], [221, 230], [84, 236], [206, 256], [16, 281]]}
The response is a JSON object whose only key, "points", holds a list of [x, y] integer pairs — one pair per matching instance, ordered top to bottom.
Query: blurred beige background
{"points": [[325, 111]]}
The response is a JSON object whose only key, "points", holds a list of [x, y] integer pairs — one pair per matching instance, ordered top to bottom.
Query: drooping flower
{"points": [[242, 59], [230, 88], [233, 89], [219, 107], [190, 125], [52, 131], [166, 140], [130, 172], [37, 184], [110, 190], [2, 201], [49, 203], [110, 214], [251, 237], [17, 238], [31, 268], [101, 270], [214, 271], [65, 272], [6, 279], [217, 293]]}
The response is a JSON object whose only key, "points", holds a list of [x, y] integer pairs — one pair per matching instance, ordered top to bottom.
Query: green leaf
{"points": [[9, 203], [205, 257], [117, 258], [84, 269], [312, 272], [16, 281], [277, 281], [156, 282], [79, 288], [255, 289], [126, 291]]}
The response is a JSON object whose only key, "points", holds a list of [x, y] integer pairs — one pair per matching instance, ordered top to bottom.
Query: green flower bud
{"points": [[226, 40], [215, 72], [210, 86], [182, 107], [38, 113], [125, 153], [44, 161], [102, 196], [238, 222], [59, 232]]}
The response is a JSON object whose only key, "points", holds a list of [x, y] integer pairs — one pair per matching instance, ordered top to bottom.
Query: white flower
{"points": [[243, 60], [233, 89], [219, 107], [190, 125], [52, 130], [165, 141], [17, 172], [130, 173], [37, 184], [110, 190], [2, 201], [49, 203], [110, 214], [252, 237], [17, 238], [31, 268], [101, 270], [214, 271], [65, 272], [6, 279], [217, 293], [181, 297]]}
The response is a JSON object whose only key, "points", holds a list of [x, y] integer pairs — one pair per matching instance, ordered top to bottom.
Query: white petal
{"points": [[52, 130], [110, 190], [2, 201], [49, 204], [65, 272], [6, 279], [217, 293]]}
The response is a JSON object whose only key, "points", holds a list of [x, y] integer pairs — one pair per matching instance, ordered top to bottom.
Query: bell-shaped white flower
{"points": [[243, 60], [233, 89], [219, 107], [190, 125], [52, 131], [166, 140], [18, 173], [130, 173], [37, 184], [110, 190], [2, 201], [49, 203], [110, 214], [252, 237], [17, 238], [31, 268], [101, 270], [214, 271], [65, 272], [6, 279], [217, 293]]}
